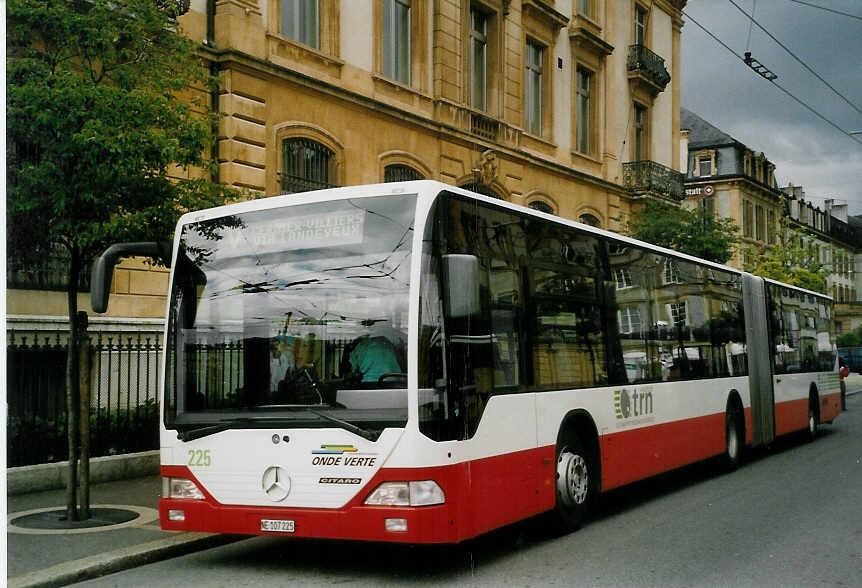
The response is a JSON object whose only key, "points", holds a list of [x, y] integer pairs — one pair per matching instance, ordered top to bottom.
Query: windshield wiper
{"points": [[349, 426], [193, 434]]}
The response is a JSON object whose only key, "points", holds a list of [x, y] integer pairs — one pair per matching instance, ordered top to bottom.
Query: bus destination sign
{"points": [[302, 232]]}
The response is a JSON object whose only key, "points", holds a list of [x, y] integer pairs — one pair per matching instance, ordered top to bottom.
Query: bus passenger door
{"points": [[759, 362]]}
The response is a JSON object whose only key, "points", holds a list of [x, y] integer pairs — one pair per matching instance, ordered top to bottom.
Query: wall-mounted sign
{"points": [[707, 190]]}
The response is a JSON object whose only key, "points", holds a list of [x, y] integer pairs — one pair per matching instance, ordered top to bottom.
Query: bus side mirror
{"points": [[103, 267], [461, 277]]}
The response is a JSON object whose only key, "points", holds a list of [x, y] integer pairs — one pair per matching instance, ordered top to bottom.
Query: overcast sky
{"points": [[721, 89]]}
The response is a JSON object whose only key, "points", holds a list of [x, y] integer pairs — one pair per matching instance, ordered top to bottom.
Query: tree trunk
{"points": [[84, 394], [72, 408]]}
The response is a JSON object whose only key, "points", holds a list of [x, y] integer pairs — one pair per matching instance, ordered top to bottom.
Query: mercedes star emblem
{"points": [[276, 483]]}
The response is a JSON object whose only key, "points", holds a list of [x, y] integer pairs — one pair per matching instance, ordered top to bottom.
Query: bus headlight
{"points": [[181, 488], [416, 493]]}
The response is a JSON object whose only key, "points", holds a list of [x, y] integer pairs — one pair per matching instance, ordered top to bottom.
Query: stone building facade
{"points": [[568, 106], [732, 181], [736, 182]]}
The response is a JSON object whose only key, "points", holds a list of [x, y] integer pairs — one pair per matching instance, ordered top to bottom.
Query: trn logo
{"points": [[633, 404]]}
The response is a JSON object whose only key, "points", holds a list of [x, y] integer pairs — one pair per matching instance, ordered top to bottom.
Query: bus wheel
{"points": [[813, 420], [734, 440], [574, 486]]}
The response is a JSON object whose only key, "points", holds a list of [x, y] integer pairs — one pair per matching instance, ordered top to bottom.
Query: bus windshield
{"points": [[292, 316]]}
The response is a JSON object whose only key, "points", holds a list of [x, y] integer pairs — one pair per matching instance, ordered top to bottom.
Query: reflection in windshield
{"points": [[301, 306]]}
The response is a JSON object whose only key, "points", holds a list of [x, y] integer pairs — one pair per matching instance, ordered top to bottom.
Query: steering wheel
{"points": [[392, 376]]}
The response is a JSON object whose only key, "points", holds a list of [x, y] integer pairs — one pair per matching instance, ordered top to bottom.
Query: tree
{"points": [[107, 131], [696, 232], [791, 259], [851, 339]]}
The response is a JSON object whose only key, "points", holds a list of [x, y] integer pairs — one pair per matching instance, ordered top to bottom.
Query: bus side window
{"points": [[570, 316]]}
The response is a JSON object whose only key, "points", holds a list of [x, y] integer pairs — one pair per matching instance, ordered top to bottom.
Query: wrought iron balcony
{"points": [[646, 66], [648, 177]]}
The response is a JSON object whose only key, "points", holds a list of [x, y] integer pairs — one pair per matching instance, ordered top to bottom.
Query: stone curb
{"points": [[52, 476], [122, 559]]}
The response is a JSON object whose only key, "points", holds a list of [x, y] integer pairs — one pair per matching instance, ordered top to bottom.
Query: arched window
{"points": [[306, 165], [398, 172], [541, 206], [589, 219]]}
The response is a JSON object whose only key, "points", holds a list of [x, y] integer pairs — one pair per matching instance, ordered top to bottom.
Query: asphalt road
{"points": [[791, 516]]}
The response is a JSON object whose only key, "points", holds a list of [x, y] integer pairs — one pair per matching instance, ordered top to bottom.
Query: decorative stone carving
{"points": [[486, 168]]}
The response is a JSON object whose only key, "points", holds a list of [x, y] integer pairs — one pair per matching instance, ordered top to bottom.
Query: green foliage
{"points": [[101, 107], [695, 232], [790, 259], [851, 339], [125, 430], [36, 441]]}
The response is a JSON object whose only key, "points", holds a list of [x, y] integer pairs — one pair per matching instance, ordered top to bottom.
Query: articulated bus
{"points": [[413, 362]]}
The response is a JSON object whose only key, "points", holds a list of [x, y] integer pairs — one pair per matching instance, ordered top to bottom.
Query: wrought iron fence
{"points": [[649, 176], [124, 395]]}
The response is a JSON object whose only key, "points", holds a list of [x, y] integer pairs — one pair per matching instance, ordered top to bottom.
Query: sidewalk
{"points": [[58, 558]]}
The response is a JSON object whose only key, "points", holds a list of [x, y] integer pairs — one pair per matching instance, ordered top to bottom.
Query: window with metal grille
{"points": [[306, 165], [400, 173], [541, 206], [589, 219]]}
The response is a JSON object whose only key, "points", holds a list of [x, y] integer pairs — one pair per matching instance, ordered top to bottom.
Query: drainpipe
{"points": [[211, 8], [214, 70]]}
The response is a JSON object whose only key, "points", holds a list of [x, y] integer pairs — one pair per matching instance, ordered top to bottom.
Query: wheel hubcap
{"points": [[732, 445], [572, 478]]}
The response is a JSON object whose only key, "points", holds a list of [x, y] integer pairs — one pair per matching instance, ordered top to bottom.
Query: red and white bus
{"points": [[414, 362]]}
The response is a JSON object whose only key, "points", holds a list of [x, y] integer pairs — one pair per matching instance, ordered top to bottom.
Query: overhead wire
{"points": [[827, 9], [802, 63], [774, 83]]}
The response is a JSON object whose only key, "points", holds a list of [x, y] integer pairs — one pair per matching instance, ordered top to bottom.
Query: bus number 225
{"points": [[200, 457]]}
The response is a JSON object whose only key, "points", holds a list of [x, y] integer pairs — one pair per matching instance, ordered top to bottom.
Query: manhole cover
{"points": [[56, 519]]}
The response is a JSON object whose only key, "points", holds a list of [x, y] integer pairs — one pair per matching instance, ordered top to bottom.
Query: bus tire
{"points": [[813, 418], [734, 437], [575, 485]]}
